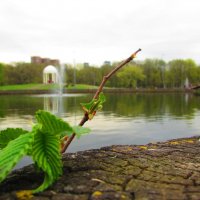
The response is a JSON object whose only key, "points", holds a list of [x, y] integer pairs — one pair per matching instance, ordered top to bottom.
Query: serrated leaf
{"points": [[93, 106], [52, 124], [79, 130], [10, 134], [13, 152], [46, 153]]}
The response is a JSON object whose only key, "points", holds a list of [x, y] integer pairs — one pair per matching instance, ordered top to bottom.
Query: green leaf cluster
{"points": [[93, 106], [10, 134], [42, 143], [13, 152]]}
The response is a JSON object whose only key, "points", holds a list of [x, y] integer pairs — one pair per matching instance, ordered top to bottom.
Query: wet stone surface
{"points": [[167, 170]]}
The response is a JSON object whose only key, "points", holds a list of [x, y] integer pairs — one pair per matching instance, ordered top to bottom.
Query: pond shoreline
{"points": [[79, 91], [162, 170]]}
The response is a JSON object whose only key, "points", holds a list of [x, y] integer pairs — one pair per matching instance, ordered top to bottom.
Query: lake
{"points": [[124, 119]]}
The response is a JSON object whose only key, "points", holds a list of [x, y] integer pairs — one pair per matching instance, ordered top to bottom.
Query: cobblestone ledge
{"points": [[164, 170]]}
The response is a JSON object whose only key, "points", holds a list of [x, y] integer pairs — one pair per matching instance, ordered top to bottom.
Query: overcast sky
{"points": [[97, 30]]}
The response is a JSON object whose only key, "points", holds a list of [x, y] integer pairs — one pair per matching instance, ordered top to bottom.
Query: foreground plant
{"points": [[48, 139], [43, 144]]}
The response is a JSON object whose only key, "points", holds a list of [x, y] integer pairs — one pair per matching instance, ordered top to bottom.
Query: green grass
{"points": [[31, 86], [36, 86], [82, 86]]}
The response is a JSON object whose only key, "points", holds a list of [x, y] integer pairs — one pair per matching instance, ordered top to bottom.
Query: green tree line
{"points": [[150, 73]]}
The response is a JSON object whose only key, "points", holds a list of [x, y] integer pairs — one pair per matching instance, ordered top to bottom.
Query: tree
{"points": [[105, 69], [154, 70], [179, 70], [191, 71], [22, 73], [71, 73], [2, 74], [130, 75]]}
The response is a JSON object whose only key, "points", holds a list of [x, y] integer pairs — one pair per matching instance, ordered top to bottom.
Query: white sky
{"points": [[97, 30]]}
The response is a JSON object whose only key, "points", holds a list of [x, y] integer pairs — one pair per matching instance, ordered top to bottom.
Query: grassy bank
{"points": [[31, 86], [34, 86], [78, 88]]}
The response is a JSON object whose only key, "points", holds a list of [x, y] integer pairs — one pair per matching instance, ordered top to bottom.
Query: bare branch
{"points": [[105, 78], [68, 142]]}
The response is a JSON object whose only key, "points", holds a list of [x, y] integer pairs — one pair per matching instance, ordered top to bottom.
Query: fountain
{"points": [[61, 78], [61, 82], [187, 84], [53, 102]]}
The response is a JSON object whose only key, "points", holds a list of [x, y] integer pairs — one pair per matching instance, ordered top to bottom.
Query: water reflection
{"points": [[51, 104], [155, 106], [125, 118]]}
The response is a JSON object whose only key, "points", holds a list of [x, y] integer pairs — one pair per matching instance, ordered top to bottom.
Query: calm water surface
{"points": [[125, 118]]}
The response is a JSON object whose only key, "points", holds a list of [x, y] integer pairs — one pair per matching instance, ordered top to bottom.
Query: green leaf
{"points": [[102, 97], [87, 106], [93, 106], [52, 124], [79, 130], [10, 134], [13, 152], [46, 154]]}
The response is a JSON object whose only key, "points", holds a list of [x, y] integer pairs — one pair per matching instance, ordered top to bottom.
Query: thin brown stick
{"points": [[105, 78], [82, 122]]}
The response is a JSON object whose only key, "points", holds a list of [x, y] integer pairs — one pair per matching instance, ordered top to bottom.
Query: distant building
{"points": [[36, 60], [46, 61], [55, 62], [107, 62], [86, 64]]}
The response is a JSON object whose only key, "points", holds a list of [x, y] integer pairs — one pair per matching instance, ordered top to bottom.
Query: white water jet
{"points": [[61, 78], [187, 84]]}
